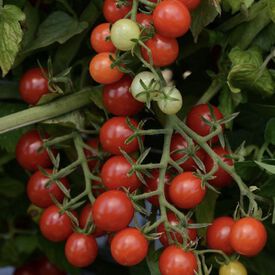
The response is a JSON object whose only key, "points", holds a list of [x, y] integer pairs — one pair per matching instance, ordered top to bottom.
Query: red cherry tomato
{"points": [[191, 4], [112, 12], [171, 18], [145, 20], [100, 38], [164, 50], [101, 70], [33, 85], [118, 100], [195, 122], [114, 133], [179, 143], [28, 153], [91, 155], [114, 174], [222, 178], [152, 185], [186, 191], [40, 194], [112, 211], [85, 217], [173, 220], [55, 226], [218, 234], [248, 236], [129, 247], [81, 250], [175, 261], [45, 267], [26, 269]]}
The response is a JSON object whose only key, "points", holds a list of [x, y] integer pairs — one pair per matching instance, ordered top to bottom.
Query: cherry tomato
{"points": [[191, 4], [112, 12], [171, 18], [145, 20], [101, 38], [164, 50], [101, 71], [33, 85], [118, 99], [195, 122], [114, 133], [178, 142], [28, 153], [91, 155], [114, 174], [222, 178], [152, 185], [186, 191], [40, 194], [112, 211], [85, 217], [173, 220], [55, 226], [218, 234], [248, 236], [129, 247], [81, 250], [175, 261], [45, 267], [233, 268], [26, 269]]}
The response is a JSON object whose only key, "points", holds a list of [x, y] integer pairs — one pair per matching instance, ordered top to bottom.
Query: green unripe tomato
{"points": [[233, 268]]}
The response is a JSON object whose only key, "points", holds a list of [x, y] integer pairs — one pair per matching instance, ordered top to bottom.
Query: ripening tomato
{"points": [[191, 4], [112, 12], [171, 18], [145, 20], [100, 38], [164, 50], [101, 70], [33, 85], [118, 99], [195, 122], [114, 133], [178, 143], [29, 153], [92, 154], [114, 174], [222, 178], [39, 189], [186, 190], [112, 211], [173, 220], [54, 225], [218, 234], [248, 236], [129, 247], [81, 250], [175, 261], [44, 267], [233, 268]]}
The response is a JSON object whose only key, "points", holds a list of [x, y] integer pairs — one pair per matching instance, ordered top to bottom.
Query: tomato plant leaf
{"points": [[236, 5], [271, 8], [11, 35], [266, 38], [270, 131], [268, 167], [10, 187], [26, 243], [152, 260]]}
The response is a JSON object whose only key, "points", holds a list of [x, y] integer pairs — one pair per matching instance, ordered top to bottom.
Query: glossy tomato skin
{"points": [[191, 4], [112, 12], [171, 18], [145, 20], [100, 38], [164, 50], [101, 70], [33, 85], [118, 99], [195, 122], [114, 133], [179, 143], [28, 152], [91, 155], [114, 174], [222, 178], [152, 185], [186, 191], [39, 194], [112, 211], [85, 217], [173, 220], [55, 226], [218, 234], [248, 236], [129, 247], [81, 250], [175, 261], [45, 267], [233, 268]]}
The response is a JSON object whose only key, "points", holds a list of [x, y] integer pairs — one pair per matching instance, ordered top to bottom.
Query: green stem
{"points": [[148, 3], [134, 10], [58, 140], [145, 195], [154, 225]]}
